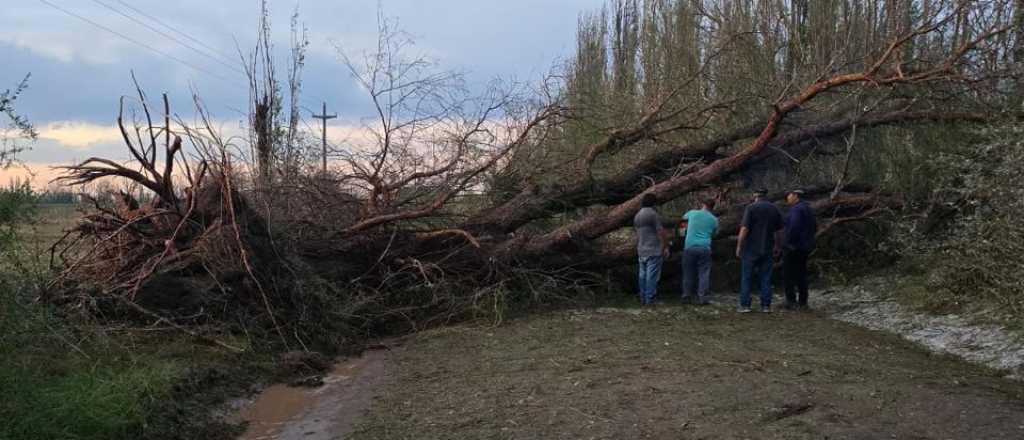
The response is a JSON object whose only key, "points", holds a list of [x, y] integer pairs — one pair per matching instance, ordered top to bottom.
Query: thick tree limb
{"points": [[535, 203], [845, 208]]}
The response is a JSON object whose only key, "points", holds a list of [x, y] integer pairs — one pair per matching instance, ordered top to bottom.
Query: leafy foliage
{"points": [[17, 130], [970, 234]]}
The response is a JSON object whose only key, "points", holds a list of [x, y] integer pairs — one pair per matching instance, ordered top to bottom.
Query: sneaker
{"points": [[687, 300], [706, 302], [790, 306], [803, 308], [742, 309], [766, 309]]}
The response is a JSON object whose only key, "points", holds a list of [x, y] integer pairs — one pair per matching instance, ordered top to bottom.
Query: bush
{"points": [[17, 207], [969, 241]]}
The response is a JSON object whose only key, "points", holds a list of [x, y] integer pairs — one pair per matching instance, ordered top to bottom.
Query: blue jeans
{"points": [[762, 267], [696, 273], [649, 274]]}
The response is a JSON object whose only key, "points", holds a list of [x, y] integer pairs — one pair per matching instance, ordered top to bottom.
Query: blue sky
{"points": [[79, 71]]}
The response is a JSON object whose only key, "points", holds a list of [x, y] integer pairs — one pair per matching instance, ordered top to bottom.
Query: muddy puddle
{"points": [[330, 411]]}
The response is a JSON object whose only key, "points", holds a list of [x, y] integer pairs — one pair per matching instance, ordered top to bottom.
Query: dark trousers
{"points": [[760, 266], [794, 268], [696, 274]]}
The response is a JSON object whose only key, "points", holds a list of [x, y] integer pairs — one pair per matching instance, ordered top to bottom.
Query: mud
{"points": [[326, 412]]}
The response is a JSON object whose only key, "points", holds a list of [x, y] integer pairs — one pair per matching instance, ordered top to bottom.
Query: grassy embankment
{"points": [[64, 377]]}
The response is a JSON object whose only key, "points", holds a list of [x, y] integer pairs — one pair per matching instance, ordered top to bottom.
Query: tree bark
{"points": [[538, 202], [615, 254]]}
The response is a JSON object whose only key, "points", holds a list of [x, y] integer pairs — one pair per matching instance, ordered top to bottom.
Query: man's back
{"points": [[762, 219], [648, 226], [801, 226], [700, 228]]}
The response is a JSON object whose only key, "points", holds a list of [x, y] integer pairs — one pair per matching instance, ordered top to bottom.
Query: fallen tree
{"points": [[409, 226]]}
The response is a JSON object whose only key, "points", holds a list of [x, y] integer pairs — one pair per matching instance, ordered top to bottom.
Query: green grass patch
{"points": [[62, 379], [161, 387], [97, 402]]}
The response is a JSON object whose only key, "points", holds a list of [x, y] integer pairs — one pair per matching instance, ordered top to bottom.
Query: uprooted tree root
{"points": [[197, 256]]}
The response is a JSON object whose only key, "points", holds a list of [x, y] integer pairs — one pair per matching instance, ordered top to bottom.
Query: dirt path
{"points": [[685, 372], [323, 413]]}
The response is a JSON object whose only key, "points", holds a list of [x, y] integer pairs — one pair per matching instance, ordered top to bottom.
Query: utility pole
{"points": [[324, 116]]}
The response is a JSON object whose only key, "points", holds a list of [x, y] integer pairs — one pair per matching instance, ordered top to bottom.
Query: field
{"points": [[53, 220]]}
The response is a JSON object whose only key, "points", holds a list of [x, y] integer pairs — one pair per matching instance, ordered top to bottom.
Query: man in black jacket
{"points": [[801, 227], [759, 243]]}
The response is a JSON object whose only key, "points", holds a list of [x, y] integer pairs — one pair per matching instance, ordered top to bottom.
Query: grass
{"points": [[51, 222], [684, 372], [159, 386], [90, 402]]}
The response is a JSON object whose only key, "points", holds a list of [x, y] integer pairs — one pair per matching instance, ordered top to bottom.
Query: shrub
{"points": [[970, 233]]}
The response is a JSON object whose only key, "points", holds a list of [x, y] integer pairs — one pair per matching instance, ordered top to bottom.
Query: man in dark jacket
{"points": [[801, 227], [759, 244]]}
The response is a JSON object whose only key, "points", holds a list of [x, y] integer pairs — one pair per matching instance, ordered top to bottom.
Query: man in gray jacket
{"points": [[651, 247]]}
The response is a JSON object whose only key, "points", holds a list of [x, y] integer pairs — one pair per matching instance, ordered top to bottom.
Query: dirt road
{"points": [[685, 372]]}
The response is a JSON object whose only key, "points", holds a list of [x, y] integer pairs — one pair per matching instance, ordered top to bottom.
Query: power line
{"points": [[173, 29], [176, 31], [170, 37], [134, 41], [146, 46]]}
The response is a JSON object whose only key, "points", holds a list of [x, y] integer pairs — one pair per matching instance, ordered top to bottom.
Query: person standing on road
{"points": [[701, 226], [801, 226], [758, 246], [651, 247]]}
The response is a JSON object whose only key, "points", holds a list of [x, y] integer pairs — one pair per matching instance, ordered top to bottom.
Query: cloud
{"points": [[66, 47], [79, 135], [39, 175]]}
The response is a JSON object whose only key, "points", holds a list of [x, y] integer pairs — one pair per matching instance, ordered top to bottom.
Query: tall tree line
{"points": [[721, 64]]}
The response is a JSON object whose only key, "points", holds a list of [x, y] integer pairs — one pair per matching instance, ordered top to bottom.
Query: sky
{"points": [[81, 54]]}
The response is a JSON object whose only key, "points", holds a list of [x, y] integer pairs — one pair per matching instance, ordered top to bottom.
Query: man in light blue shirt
{"points": [[701, 226]]}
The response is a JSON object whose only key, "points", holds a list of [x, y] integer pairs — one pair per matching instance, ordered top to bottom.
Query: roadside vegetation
{"points": [[962, 247]]}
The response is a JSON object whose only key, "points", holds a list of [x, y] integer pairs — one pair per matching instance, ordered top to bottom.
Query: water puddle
{"points": [[329, 411]]}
